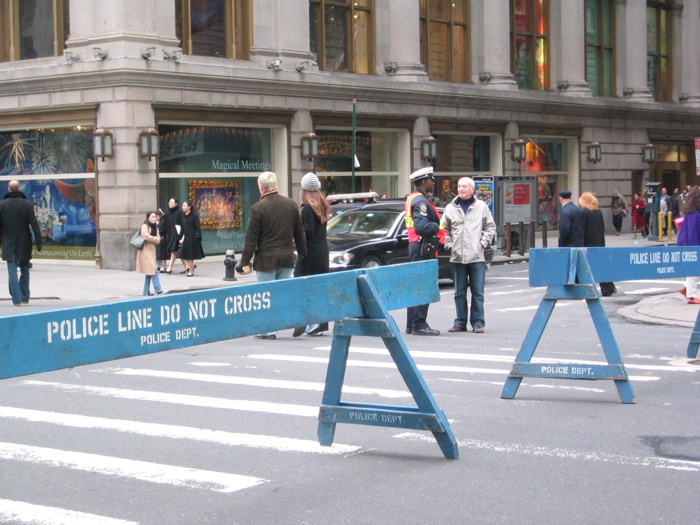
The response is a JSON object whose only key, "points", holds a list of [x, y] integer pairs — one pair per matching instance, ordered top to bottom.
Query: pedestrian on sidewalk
{"points": [[638, 209], [620, 210], [314, 217], [16, 218], [572, 223], [172, 226], [274, 230], [469, 230], [594, 232], [689, 235], [190, 238], [146, 256]]}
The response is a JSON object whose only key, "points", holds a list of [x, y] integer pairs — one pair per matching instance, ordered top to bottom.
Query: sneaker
{"points": [[682, 290], [693, 300], [458, 328], [478, 329], [265, 336]]}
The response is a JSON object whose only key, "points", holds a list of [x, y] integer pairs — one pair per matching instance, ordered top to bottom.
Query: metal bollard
{"points": [[230, 263]]}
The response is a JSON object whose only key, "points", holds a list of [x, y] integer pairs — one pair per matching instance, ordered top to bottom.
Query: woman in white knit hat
{"points": [[315, 213]]}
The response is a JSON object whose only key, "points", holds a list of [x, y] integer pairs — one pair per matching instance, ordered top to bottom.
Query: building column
{"points": [[403, 21], [281, 35], [686, 42], [491, 44], [567, 49], [631, 51]]}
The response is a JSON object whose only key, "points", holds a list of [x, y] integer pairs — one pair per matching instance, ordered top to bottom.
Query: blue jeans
{"points": [[274, 275], [472, 276], [156, 283], [19, 288]]}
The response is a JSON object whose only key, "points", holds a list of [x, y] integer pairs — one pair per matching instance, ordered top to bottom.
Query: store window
{"points": [[214, 28], [32, 29], [342, 35], [444, 35], [659, 40], [529, 41], [600, 51], [464, 155], [547, 159], [216, 168], [376, 168], [56, 170]]}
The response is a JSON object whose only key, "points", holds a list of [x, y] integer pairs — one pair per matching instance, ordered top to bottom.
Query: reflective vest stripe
{"points": [[408, 219]]}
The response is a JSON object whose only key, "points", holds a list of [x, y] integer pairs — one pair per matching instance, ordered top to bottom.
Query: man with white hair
{"points": [[469, 229], [274, 230]]}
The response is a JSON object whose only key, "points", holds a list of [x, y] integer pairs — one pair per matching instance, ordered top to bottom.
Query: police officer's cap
{"points": [[423, 173]]}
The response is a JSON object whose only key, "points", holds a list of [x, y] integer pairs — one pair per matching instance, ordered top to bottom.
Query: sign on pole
{"points": [[697, 156]]}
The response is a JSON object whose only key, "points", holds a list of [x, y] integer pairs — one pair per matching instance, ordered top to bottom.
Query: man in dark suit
{"points": [[16, 217], [572, 222]]}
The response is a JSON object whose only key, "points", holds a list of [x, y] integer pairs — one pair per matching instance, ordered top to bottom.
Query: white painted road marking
{"points": [[181, 399], [177, 432], [128, 468], [20, 512]]}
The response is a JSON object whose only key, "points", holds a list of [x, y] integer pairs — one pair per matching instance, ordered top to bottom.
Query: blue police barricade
{"points": [[572, 273], [359, 301]]}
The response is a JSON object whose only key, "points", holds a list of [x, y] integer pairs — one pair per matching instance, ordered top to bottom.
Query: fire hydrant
{"points": [[230, 263]]}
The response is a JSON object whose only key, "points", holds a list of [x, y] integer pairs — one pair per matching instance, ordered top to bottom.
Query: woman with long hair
{"points": [[638, 209], [315, 213], [172, 225], [594, 232], [689, 235], [190, 238], [146, 256]]}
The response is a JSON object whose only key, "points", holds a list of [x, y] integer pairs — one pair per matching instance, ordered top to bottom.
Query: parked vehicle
{"points": [[374, 234]]}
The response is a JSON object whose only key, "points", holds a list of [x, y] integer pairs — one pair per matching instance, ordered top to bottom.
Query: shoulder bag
{"points": [[137, 241]]}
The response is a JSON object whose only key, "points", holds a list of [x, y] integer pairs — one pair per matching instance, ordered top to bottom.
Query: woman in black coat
{"points": [[314, 216], [170, 231], [594, 233], [190, 238]]}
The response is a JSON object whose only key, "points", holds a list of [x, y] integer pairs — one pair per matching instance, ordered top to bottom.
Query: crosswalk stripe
{"points": [[458, 356], [422, 367], [252, 381], [182, 399], [177, 432], [140, 470], [20, 512]]}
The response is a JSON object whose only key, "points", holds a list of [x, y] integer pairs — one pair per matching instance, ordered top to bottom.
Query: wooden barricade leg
{"points": [[581, 286], [379, 323], [694, 342]]}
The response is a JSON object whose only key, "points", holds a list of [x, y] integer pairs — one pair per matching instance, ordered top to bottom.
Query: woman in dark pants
{"points": [[314, 216], [172, 226], [594, 233]]}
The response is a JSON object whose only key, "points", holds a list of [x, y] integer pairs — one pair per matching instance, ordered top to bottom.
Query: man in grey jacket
{"points": [[469, 229]]}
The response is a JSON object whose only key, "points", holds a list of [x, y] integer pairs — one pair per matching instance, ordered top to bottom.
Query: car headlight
{"points": [[339, 259]]}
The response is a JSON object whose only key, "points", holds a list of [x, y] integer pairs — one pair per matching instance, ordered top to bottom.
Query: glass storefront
{"points": [[547, 159], [216, 168], [376, 168], [57, 173]]}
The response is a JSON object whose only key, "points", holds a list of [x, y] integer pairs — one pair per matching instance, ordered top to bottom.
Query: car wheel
{"points": [[371, 262]]}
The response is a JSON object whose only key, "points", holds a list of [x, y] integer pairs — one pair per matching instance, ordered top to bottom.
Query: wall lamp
{"points": [[149, 143], [102, 144], [309, 146], [428, 148], [519, 150], [594, 152], [649, 153]]}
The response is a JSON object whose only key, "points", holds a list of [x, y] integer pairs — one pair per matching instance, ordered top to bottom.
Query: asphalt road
{"points": [[225, 433]]}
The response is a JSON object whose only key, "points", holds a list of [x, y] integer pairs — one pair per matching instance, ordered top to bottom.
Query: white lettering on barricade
{"points": [[70, 329]]}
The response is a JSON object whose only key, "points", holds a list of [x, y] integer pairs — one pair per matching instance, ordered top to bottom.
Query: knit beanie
{"points": [[310, 182]]}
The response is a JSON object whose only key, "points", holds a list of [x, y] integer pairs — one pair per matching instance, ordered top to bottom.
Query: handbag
{"points": [[623, 212], [137, 241], [429, 247]]}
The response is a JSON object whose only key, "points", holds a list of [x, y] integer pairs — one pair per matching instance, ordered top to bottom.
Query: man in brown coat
{"points": [[16, 217], [274, 229]]}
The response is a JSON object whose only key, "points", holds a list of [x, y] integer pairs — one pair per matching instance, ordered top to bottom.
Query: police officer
{"points": [[425, 234]]}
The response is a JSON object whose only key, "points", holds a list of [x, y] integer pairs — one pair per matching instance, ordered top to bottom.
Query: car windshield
{"points": [[368, 223]]}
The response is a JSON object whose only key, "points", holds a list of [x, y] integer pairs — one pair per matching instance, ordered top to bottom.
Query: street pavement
{"points": [[58, 285]]}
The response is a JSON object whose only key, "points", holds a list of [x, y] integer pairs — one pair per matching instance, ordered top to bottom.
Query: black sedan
{"points": [[374, 235]]}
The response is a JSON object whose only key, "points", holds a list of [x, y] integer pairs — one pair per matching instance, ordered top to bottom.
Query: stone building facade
{"points": [[232, 87]]}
